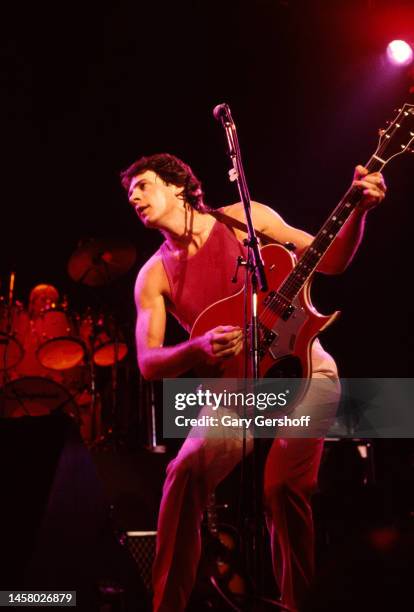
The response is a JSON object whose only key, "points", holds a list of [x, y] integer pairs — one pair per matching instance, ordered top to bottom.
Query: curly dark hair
{"points": [[172, 171]]}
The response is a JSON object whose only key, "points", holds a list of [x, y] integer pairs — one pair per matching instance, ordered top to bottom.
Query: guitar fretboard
{"points": [[321, 243]]}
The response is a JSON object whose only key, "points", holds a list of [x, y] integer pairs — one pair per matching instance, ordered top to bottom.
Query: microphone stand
{"points": [[254, 269]]}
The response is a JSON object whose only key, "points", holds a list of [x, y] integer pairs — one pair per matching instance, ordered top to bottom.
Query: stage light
{"points": [[400, 53]]}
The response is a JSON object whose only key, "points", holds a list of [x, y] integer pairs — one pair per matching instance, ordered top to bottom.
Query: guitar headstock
{"points": [[398, 137]]}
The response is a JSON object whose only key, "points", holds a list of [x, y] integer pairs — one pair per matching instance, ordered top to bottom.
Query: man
{"points": [[191, 270], [42, 297]]}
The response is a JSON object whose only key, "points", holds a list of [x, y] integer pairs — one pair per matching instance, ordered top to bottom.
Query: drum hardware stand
{"points": [[254, 270], [8, 329], [8, 334], [6, 343], [93, 388], [114, 388], [94, 396], [115, 432], [111, 438]]}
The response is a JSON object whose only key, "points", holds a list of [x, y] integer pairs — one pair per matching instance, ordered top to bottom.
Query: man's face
{"points": [[152, 199]]}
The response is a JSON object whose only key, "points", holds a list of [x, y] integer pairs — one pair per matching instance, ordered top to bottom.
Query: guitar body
{"points": [[286, 344]]}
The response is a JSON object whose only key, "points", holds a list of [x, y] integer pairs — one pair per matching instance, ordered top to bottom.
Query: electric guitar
{"points": [[288, 322]]}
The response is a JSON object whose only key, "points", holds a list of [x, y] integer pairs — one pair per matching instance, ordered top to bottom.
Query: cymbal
{"points": [[98, 262]]}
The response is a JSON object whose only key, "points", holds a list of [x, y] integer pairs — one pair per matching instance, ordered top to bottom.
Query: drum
{"points": [[103, 339], [59, 346], [11, 349], [108, 349], [35, 396]]}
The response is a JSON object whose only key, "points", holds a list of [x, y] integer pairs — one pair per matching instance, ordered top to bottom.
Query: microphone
{"points": [[222, 111]]}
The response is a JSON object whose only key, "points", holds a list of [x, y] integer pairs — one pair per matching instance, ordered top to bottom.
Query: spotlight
{"points": [[399, 53]]}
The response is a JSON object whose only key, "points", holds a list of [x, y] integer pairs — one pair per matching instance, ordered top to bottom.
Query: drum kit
{"points": [[49, 354]]}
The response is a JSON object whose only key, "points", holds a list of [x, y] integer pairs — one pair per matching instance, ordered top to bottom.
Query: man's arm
{"points": [[346, 243], [342, 250], [156, 361]]}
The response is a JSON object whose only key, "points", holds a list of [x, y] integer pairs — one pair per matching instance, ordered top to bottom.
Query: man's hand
{"points": [[372, 186], [222, 342]]}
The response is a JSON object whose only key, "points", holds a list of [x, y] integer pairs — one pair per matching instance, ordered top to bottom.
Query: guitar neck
{"points": [[324, 238]]}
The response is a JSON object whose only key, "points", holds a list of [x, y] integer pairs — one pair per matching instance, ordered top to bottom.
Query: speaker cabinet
{"points": [[141, 545]]}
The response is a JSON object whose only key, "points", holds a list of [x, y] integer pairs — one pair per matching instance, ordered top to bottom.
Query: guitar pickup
{"points": [[269, 297], [279, 304], [287, 313]]}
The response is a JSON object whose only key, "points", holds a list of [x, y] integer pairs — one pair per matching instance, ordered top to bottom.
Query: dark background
{"points": [[87, 88]]}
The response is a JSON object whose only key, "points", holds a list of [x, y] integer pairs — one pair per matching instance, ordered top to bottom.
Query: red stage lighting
{"points": [[400, 53]]}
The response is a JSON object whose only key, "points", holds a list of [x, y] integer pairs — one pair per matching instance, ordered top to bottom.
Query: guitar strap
{"points": [[235, 223]]}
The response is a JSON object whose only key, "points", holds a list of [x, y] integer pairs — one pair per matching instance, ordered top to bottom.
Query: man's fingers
{"points": [[359, 172], [374, 179], [368, 185], [374, 189], [373, 194], [226, 328], [227, 337], [224, 341], [231, 349], [238, 349], [226, 354]]}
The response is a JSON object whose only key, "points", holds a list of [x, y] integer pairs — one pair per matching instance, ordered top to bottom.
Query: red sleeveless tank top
{"points": [[204, 278], [198, 281]]}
